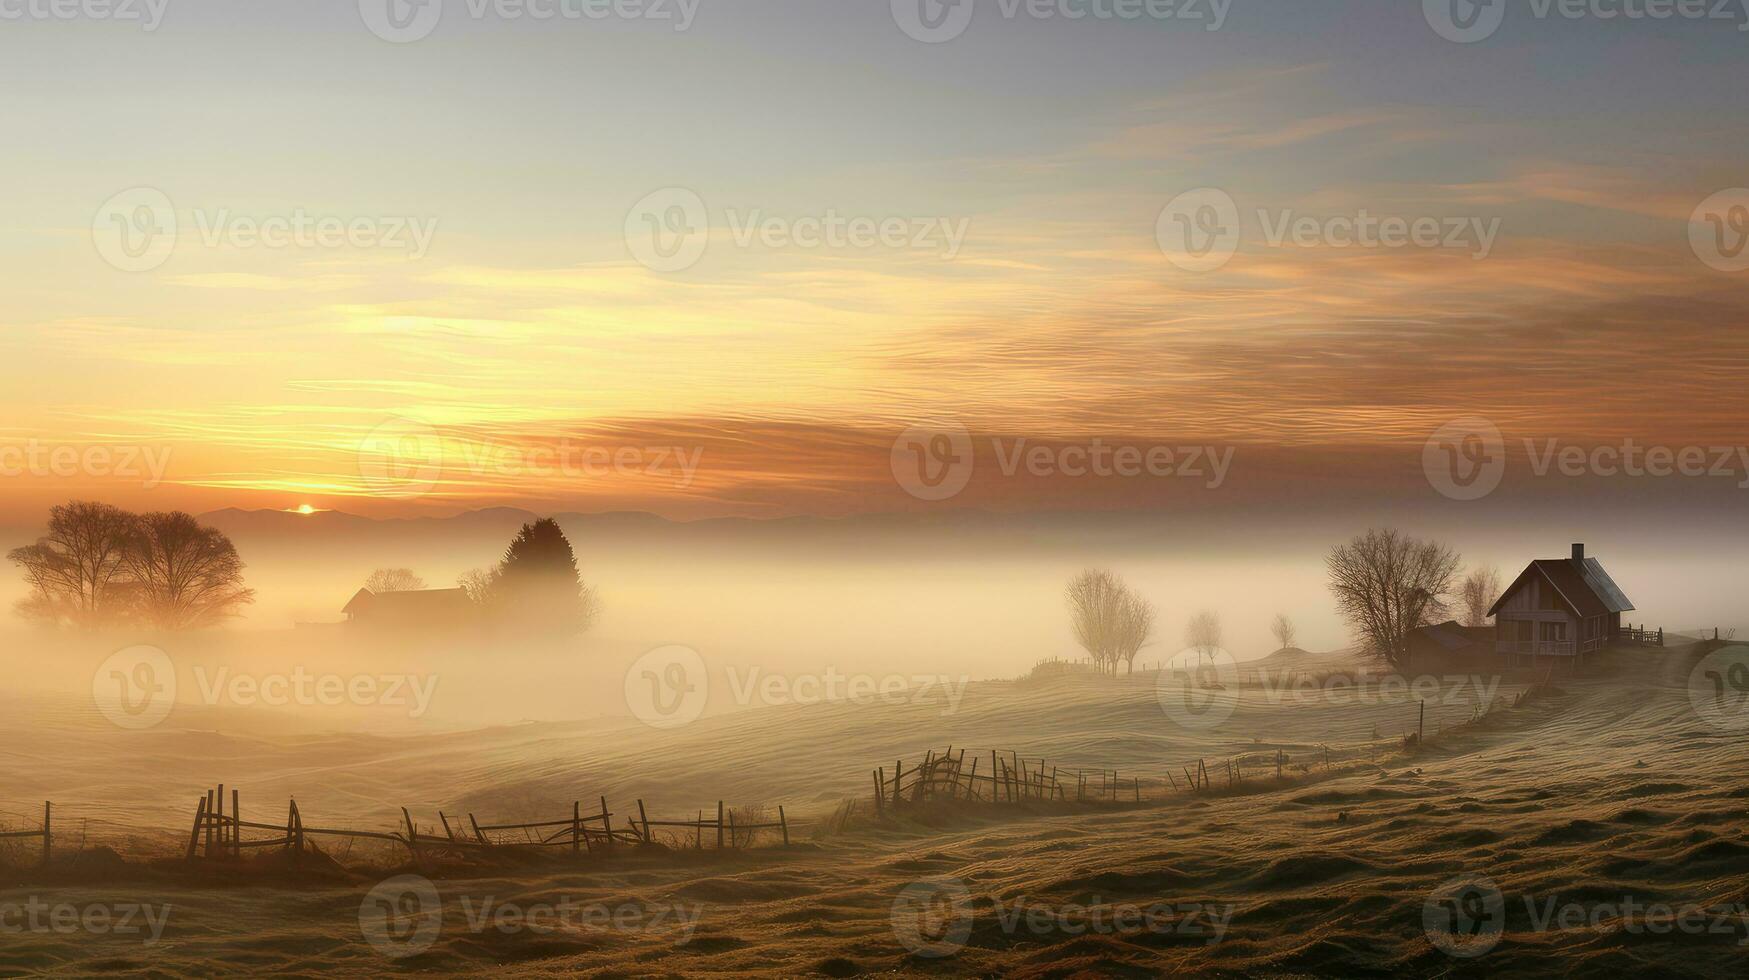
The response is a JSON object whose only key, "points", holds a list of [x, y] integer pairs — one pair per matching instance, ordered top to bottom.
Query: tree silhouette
{"points": [[77, 572], [186, 576], [393, 580], [1386, 584], [537, 585], [1284, 630]]}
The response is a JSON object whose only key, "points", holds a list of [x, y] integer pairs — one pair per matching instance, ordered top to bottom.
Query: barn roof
{"points": [[1582, 583], [423, 600], [1452, 635]]}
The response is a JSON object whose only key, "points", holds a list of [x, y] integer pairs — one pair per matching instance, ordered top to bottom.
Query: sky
{"points": [[708, 258]]}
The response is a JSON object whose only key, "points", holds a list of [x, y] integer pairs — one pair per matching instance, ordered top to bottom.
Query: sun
{"points": [[306, 510]]}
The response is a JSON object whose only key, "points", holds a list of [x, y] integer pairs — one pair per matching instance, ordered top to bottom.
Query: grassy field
{"points": [[1560, 819]]}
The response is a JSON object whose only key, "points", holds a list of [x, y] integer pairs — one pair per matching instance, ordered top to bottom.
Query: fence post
{"points": [[1421, 725], [898, 777], [880, 794], [644, 818], [783, 821], [209, 823], [607, 823], [476, 825], [719, 825], [576, 826], [237, 832], [48, 834], [412, 834], [194, 836], [298, 847]]}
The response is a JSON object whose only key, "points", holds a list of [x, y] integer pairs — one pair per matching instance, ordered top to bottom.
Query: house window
{"points": [[1524, 630], [1554, 632]]}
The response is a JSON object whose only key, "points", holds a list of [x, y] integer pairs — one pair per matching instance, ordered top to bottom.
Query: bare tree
{"points": [[77, 573], [186, 576], [393, 580], [477, 584], [1386, 584], [1479, 590], [1096, 599], [1135, 628], [1284, 631], [1203, 633]]}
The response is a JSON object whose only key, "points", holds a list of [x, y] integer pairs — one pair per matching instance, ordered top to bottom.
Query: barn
{"points": [[1559, 608], [427, 609]]}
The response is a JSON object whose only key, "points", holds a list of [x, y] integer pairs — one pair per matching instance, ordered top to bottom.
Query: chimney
{"points": [[1579, 551]]}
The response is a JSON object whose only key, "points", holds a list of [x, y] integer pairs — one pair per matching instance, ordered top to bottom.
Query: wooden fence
{"points": [[947, 776], [45, 832], [219, 835]]}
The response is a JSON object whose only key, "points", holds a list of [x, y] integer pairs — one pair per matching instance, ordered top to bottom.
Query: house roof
{"points": [[1583, 584], [423, 600], [1451, 635]]}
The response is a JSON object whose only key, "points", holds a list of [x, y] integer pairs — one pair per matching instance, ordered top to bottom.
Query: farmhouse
{"points": [[1558, 607], [427, 609]]}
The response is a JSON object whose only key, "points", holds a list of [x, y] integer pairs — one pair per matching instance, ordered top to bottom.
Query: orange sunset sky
{"points": [[267, 377]]}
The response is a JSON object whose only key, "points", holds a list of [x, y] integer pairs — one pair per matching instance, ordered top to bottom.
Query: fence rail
{"points": [[45, 832], [219, 835]]}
